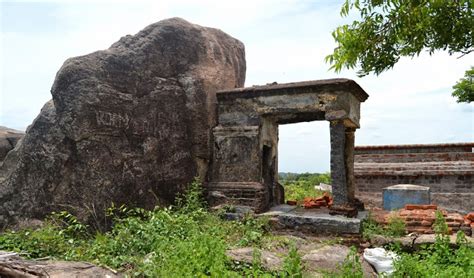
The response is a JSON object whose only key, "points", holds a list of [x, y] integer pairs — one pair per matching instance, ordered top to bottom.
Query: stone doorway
{"points": [[246, 138], [304, 147]]}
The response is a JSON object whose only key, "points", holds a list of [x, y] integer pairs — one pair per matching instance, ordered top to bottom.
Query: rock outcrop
{"points": [[126, 125], [8, 140], [12, 265]]}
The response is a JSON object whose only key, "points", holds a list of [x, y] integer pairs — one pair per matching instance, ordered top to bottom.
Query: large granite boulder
{"points": [[129, 124], [8, 140]]}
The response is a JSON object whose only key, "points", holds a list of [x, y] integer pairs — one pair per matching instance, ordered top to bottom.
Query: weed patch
{"points": [[299, 186], [181, 241]]}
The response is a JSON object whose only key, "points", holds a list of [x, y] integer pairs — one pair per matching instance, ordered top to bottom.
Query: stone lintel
{"points": [[315, 86]]}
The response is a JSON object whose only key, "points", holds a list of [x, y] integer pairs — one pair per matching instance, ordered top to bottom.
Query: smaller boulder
{"points": [[8, 140], [330, 258], [268, 260]]}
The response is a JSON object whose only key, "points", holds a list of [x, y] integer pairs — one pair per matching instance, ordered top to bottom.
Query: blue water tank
{"points": [[397, 196]]}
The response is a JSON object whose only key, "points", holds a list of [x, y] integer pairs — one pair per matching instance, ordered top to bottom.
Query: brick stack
{"points": [[448, 169], [323, 201], [420, 219], [469, 221]]}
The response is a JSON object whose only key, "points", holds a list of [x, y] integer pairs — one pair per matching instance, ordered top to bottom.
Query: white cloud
{"points": [[285, 41]]}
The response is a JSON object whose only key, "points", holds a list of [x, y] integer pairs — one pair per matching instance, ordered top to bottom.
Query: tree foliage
{"points": [[390, 29], [464, 89]]}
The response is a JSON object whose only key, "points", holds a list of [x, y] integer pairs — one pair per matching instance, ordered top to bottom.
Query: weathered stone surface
{"points": [[129, 124], [8, 140], [244, 167], [313, 220], [321, 223], [381, 241], [413, 241], [327, 257], [330, 258], [268, 260], [316, 260], [12, 265]]}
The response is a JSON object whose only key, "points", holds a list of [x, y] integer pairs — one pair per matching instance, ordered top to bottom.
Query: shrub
{"points": [[299, 186], [370, 227], [395, 227], [179, 241], [438, 259], [292, 266], [350, 268]]}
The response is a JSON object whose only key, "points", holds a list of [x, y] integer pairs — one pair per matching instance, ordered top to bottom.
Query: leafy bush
{"points": [[298, 186], [370, 227], [395, 227], [181, 241], [438, 259], [292, 266], [350, 268]]}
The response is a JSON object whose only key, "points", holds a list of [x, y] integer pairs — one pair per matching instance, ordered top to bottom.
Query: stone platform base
{"points": [[315, 220]]}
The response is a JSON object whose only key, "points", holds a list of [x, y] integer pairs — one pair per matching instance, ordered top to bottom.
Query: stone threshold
{"points": [[315, 220]]}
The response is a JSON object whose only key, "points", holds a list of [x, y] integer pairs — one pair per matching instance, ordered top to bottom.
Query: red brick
{"points": [[310, 202], [422, 207], [403, 212], [470, 216], [454, 217], [414, 218], [413, 223], [426, 223], [453, 224], [420, 230]]}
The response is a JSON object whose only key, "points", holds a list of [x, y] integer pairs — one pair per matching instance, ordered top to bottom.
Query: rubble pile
{"points": [[317, 202], [421, 218]]}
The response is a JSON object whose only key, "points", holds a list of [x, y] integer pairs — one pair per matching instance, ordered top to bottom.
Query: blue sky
{"points": [[285, 41]]}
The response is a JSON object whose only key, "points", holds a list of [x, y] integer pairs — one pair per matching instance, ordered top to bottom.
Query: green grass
{"points": [[299, 186], [394, 228], [181, 241], [188, 241], [439, 259], [436, 260], [350, 268]]}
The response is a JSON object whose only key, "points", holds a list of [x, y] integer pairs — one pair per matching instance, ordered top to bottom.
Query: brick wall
{"points": [[448, 169]]}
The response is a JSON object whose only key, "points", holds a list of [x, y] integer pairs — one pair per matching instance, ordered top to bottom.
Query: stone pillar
{"points": [[349, 163], [338, 168], [342, 169]]}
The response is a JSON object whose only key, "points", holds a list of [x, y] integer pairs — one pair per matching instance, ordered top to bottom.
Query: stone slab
{"points": [[397, 196], [278, 210], [322, 222], [12, 265]]}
